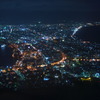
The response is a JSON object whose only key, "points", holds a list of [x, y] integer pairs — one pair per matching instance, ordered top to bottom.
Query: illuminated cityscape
{"points": [[49, 49], [48, 55]]}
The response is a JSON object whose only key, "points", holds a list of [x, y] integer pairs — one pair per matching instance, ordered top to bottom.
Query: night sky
{"points": [[28, 11]]}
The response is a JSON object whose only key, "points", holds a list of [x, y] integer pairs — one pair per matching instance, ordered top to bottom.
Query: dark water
{"points": [[30, 17], [89, 34], [6, 56]]}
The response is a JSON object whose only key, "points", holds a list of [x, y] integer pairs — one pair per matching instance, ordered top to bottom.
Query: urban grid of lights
{"points": [[48, 54]]}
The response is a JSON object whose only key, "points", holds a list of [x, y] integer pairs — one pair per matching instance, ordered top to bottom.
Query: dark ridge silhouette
{"points": [[82, 91]]}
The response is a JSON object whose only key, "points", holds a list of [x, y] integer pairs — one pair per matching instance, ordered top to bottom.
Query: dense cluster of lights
{"points": [[48, 54]]}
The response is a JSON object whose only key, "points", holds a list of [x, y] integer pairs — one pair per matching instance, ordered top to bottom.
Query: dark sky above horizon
{"points": [[35, 9]]}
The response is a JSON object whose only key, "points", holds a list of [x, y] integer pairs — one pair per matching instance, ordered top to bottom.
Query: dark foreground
{"points": [[81, 91]]}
